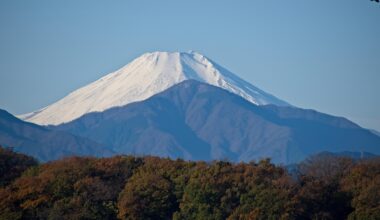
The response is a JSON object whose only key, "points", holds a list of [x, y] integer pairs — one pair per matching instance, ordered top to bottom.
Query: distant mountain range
{"points": [[181, 105], [45, 144], [353, 155]]}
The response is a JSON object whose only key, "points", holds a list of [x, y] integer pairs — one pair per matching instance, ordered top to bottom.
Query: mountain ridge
{"points": [[142, 78], [194, 118], [43, 143]]}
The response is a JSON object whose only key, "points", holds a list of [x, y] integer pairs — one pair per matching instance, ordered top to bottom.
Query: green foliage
{"points": [[127, 187], [154, 190], [208, 194]]}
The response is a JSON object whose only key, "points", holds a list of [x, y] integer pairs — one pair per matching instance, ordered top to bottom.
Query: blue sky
{"points": [[323, 54]]}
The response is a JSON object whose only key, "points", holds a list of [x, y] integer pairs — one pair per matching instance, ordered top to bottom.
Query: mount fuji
{"points": [[144, 77], [184, 105]]}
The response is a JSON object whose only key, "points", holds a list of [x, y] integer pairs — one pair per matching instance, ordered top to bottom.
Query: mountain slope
{"points": [[145, 76], [193, 120], [375, 132], [42, 143]]}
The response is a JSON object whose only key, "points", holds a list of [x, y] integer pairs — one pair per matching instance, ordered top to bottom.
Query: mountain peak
{"points": [[144, 77]]}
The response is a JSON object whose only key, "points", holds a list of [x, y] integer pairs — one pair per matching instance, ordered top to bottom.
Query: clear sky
{"points": [[322, 54]]}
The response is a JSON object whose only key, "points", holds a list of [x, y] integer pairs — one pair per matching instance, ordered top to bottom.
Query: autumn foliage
{"points": [[12, 165], [126, 187]]}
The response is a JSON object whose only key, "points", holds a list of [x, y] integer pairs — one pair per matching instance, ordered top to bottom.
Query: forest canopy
{"points": [[127, 187]]}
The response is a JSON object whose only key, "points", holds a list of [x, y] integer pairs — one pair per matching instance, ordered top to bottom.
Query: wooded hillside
{"points": [[127, 187]]}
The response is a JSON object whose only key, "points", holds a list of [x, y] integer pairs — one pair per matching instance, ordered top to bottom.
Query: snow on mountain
{"points": [[144, 77]]}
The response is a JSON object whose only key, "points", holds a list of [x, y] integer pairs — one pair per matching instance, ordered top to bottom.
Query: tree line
{"points": [[128, 187]]}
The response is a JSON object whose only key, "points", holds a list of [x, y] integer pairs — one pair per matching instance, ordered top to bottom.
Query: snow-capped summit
{"points": [[144, 77]]}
